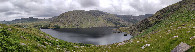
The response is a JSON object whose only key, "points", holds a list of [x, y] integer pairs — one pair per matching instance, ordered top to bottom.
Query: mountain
{"points": [[164, 14], [93, 18], [85, 19], [134, 19], [23, 20], [161, 32]]}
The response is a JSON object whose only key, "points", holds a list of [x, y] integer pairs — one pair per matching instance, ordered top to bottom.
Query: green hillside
{"points": [[164, 14], [86, 19], [161, 33], [19, 39]]}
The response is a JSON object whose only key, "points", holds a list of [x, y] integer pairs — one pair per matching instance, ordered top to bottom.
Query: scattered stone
{"points": [[183, 24], [184, 27], [194, 27], [9, 29], [169, 30], [188, 31], [125, 34], [175, 36], [47, 37], [192, 37], [155, 39], [137, 41], [145, 41], [45, 42], [121, 43], [22, 44], [147, 44], [43, 46], [58, 46], [76, 46], [82, 46], [144, 46], [182, 47]]}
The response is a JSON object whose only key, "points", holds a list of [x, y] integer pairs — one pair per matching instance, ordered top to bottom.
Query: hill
{"points": [[164, 14], [92, 18], [85, 19], [134, 19], [23, 20], [162, 32], [27, 39]]}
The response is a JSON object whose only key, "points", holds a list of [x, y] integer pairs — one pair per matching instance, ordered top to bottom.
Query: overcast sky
{"points": [[14, 9]]}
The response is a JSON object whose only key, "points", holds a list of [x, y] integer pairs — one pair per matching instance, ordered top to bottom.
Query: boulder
{"points": [[125, 34], [182, 47]]}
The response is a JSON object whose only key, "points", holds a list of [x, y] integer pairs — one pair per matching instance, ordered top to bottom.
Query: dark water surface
{"points": [[97, 36]]}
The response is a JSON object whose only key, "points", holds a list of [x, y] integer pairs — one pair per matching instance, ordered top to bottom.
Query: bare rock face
{"points": [[182, 47]]}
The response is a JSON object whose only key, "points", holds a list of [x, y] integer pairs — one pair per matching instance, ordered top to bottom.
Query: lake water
{"points": [[97, 36]]}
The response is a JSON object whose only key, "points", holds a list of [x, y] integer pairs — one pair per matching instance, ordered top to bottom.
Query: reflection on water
{"points": [[97, 36]]}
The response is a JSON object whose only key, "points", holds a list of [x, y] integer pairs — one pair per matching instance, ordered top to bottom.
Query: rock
{"points": [[183, 24], [193, 27], [9, 29], [125, 34], [175, 36], [192, 37], [56, 40], [137, 41], [45, 42], [22, 43], [121, 43], [58, 46], [76, 46], [145, 46], [182, 47]]}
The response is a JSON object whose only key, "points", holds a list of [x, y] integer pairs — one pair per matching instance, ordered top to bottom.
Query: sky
{"points": [[16, 9]]}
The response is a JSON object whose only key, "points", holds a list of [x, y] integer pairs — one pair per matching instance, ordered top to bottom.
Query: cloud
{"points": [[89, 3], [12, 9]]}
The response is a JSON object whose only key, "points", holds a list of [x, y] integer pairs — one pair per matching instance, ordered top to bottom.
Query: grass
{"points": [[162, 37], [14, 38]]}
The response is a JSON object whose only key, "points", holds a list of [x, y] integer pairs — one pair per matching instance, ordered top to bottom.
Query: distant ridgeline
{"points": [[94, 18], [134, 19], [23, 20]]}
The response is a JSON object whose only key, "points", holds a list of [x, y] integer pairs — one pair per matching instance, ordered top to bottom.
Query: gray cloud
{"points": [[88, 3], [12, 9], [11, 13]]}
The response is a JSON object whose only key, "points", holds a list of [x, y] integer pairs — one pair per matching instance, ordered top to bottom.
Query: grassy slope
{"points": [[161, 15], [85, 19], [181, 23], [160, 36], [30, 39]]}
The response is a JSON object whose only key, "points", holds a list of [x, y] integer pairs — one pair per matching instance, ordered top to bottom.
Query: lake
{"points": [[97, 35]]}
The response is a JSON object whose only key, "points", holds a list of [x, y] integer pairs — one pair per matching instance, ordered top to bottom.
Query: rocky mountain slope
{"points": [[161, 15], [93, 18], [85, 19], [162, 32]]}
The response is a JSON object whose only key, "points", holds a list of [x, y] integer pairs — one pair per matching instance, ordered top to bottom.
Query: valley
{"points": [[98, 31]]}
